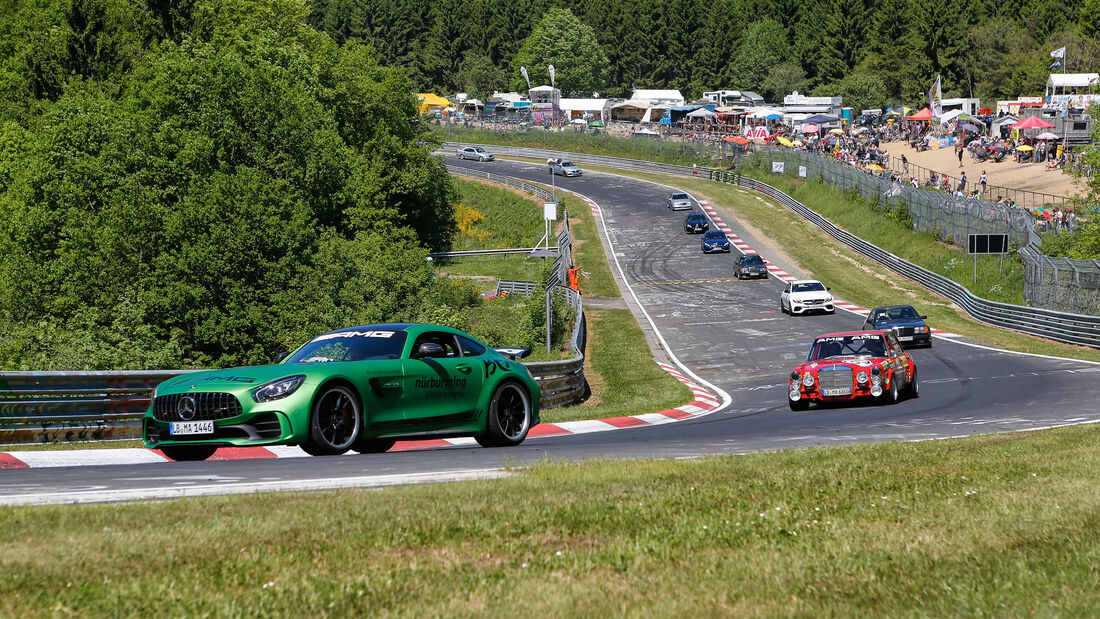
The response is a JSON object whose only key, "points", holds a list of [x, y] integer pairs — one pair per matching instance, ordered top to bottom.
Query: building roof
{"points": [[672, 96], [583, 104]]}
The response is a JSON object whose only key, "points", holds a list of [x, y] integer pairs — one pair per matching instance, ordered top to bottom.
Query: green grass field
{"points": [[1002, 525]]}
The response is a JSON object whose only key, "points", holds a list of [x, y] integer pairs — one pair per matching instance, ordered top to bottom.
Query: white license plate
{"points": [[905, 338], [832, 392], [191, 427]]}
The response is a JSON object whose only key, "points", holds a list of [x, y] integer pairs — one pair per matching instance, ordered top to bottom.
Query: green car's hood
{"points": [[233, 380]]}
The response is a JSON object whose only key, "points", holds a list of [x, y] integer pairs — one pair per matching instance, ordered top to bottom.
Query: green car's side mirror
{"points": [[429, 350], [283, 355]]}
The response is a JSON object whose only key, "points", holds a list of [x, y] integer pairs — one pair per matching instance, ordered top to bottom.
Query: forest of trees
{"points": [[884, 52], [199, 184]]}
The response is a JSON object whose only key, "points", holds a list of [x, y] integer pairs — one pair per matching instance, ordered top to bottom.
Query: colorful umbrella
{"points": [[1032, 122], [597, 123], [968, 127], [811, 128], [837, 131], [1046, 135], [737, 140], [784, 141], [1025, 148], [876, 167]]}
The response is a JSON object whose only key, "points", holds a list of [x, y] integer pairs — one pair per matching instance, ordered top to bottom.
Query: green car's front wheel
{"points": [[509, 417], [334, 423]]}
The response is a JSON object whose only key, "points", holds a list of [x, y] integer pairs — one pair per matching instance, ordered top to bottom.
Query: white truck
{"points": [[476, 153], [563, 167]]}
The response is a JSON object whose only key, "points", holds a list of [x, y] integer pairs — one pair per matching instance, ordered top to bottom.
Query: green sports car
{"points": [[361, 388]]}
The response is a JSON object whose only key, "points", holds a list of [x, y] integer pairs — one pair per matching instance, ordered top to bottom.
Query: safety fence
{"points": [[1020, 197], [951, 219], [1059, 284], [1063, 326]]}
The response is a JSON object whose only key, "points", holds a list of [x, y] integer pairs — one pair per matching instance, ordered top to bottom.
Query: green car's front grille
{"points": [[200, 406]]}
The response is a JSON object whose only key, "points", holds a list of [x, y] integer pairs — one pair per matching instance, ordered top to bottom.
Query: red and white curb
{"points": [[779, 273], [704, 402]]}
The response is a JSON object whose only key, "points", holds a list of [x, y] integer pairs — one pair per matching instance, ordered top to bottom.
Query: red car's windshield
{"points": [[871, 345]]}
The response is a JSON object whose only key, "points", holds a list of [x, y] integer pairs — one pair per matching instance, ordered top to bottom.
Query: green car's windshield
{"points": [[351, 346]]}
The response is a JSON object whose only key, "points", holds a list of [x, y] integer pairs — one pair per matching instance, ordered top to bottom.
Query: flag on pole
{"points": [[1059, 53], [1057, 64], [551, 68], [523, 71], [935, 98]]}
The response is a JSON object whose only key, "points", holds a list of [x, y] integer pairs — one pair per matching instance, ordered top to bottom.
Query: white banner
{"points": [[551, 68], [777, 167], [802, 171]]}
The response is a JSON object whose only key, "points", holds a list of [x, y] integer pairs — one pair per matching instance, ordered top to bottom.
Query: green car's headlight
{"points": [[278, 389]]}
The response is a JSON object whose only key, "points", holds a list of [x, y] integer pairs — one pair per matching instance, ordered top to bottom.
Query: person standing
{"points": [[959, 151], [904, 164], [981, 181], [962, 183]]}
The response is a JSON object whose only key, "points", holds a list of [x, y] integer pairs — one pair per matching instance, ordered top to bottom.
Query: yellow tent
{"points": [[429, 100]]}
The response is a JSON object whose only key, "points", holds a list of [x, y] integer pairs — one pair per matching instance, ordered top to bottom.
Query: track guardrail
{"points": [[1063, 327]]}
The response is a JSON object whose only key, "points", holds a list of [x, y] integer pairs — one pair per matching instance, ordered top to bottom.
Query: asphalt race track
{"points": [[729, 333]]}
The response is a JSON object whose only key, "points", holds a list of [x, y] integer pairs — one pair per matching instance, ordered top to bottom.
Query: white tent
{"points": [[1071, 80], [670, 97], [595, 107], [702, 113], [947, 117]]}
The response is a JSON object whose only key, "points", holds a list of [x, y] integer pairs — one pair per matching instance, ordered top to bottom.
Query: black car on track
{"points": [[695, 223], [751, 265], [904, 321]]}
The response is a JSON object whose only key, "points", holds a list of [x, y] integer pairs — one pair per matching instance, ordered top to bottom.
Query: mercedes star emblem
{"points": [[186, 408]]}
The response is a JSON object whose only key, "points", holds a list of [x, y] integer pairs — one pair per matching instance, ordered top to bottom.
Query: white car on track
{"points": [[476, 153], [806, 295]]}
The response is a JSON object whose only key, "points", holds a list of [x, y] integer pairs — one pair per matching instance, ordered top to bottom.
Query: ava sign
{"points": [[756, 133]]}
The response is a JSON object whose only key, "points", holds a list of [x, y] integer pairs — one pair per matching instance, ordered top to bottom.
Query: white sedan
{"points": [[806, 295]]}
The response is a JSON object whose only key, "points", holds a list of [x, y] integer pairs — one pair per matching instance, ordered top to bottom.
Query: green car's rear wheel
{"points": [[509, 417], [334, 423], [188, 453]]}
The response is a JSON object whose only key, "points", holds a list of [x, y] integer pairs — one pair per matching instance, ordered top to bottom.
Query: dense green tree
{"points": [[843, 39], [561, 40], [763, 48], [477, 76], [782, 80], [860, 91], [228, 195]]}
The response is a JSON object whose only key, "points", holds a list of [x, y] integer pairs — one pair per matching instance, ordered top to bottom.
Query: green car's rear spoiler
{"points": [[514, 353]]}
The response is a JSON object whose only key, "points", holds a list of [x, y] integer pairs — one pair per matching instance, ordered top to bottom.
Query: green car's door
{"points": [[441, 386]]}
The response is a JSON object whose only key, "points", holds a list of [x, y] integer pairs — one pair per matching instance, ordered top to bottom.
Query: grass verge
{"points": [[850, 275], [995, 280], [621, 385], [1003, 525]]}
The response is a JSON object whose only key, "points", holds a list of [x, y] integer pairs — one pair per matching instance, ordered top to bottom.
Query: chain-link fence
{"points": [[947, 217], [1059, 284]]}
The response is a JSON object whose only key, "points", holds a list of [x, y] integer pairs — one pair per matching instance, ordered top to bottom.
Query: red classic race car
{"points": [[845, 366]]}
